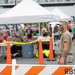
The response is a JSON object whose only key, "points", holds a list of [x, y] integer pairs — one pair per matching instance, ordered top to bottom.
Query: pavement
{"points": [[20, 60]]}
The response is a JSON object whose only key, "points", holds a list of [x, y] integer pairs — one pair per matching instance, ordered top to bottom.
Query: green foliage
{"points": [[34, 33]]}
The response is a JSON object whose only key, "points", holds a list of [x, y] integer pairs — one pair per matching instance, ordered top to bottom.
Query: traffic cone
{"points": [[51, 54], [8, 57], [41, 58]]}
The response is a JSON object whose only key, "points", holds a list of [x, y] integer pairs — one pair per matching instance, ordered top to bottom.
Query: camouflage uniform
{"points": [[66, 37]]}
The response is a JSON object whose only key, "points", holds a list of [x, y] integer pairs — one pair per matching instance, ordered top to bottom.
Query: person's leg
{"points": [[19, 48], [13, 49], [18, 51]]}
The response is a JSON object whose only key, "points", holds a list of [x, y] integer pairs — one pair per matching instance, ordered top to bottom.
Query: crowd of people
{"points": [[17, 35], [65, 47]]}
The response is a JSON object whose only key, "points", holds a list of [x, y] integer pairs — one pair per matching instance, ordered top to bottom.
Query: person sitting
{"points": [[50, 30], [5, 34], [29, 34], [45, 34], [2, 39], [16, 49]]}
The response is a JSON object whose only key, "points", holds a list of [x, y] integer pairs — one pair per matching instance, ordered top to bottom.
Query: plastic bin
{"points": [[27, 51]]}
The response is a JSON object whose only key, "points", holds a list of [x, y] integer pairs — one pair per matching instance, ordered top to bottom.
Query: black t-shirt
{"points": [[29, 33]]}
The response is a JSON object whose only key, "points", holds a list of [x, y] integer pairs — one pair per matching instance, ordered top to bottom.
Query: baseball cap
{"points": [[64, 22]]}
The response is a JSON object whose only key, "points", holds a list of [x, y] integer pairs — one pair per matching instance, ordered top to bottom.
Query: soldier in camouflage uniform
{"points": [[65, 46]]}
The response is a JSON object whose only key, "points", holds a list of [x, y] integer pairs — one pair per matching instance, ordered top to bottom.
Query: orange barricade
{"points": [[51, 55], [8, 58], [41, 58], [37, 70]]}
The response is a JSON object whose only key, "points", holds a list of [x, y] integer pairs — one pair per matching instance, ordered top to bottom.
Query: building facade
{"points": [[67, 6]]}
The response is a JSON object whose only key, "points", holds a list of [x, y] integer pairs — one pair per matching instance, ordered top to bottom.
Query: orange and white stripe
{"points": [[35, 69]]}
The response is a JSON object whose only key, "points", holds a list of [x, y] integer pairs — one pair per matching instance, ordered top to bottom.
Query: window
{"points": [[51, 0], [59, 0], [67, 0], [3, 1]]}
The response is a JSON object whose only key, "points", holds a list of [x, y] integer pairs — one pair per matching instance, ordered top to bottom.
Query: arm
{"points": [[26, 36], [1, 38], [7, 39], [66, 45], [65, 48], [62, 58]]}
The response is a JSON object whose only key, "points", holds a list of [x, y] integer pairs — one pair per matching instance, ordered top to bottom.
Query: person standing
{"points": [[69, 26], [43, 30], [50, 30], [19, 32], [74, 33], [5, 34], [2, 39], [65, 45], [16, 50]]}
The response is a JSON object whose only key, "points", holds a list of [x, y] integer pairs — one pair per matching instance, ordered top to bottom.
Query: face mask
{"points": [[61, 28]]}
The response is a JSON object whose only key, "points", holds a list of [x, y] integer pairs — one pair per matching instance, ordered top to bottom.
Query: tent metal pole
{"points": [[46, 25], [39, 29]]}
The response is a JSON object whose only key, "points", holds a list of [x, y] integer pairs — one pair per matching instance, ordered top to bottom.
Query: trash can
{"points": [[27, 51]]}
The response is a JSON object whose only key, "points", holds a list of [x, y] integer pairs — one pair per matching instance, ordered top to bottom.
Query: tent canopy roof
{"points": [[26, 11], [62, 15]]}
